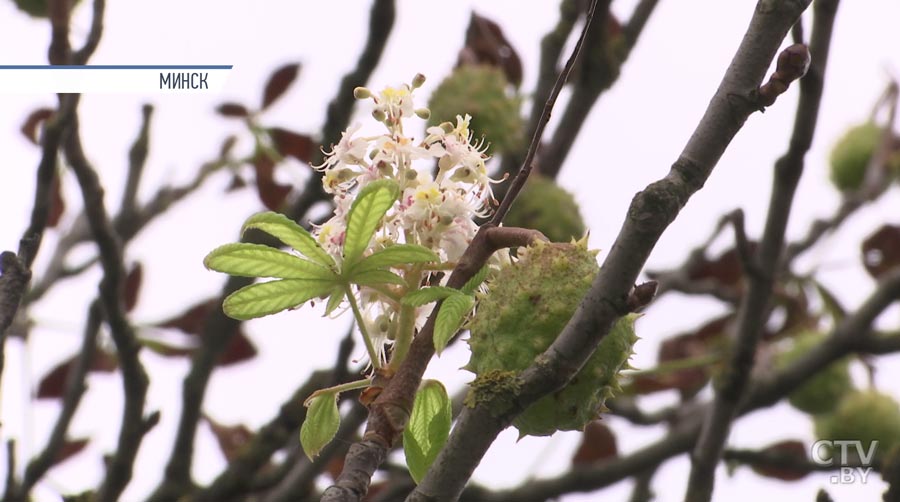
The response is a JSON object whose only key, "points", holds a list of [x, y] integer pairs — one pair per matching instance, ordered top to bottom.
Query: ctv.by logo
{"points": [[854, 460]]}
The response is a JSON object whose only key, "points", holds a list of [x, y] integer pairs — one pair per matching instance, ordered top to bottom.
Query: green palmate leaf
{"points": [[365, 216], [290, 233], [398, 254], [256, 260], [375, 277], [472, 284], [422, 296], [335, 299], [257, 300], [452, 312], [321, 424], [428, 428]]}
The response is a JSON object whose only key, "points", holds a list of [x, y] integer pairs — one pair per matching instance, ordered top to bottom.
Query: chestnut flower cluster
{"points": [[443, 185], [435, 210]]}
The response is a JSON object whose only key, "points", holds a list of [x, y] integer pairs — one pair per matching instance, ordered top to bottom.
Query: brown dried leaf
{"points": [[486, 44], [279, 82], [235, 110], [30, 126], [290, 143], [881, 250], [132, 286], [231, 438], [598, 442], [69, 448]]}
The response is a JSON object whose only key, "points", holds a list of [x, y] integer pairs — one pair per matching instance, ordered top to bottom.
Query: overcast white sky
{"points": [[631, 138]]}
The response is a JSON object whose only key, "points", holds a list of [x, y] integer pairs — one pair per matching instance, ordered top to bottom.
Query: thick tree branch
{"points": [[651, 212], [755, 303]]}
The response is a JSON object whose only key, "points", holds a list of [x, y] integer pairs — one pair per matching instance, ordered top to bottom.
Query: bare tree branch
{"points": [[752, 314], [134, 425]]}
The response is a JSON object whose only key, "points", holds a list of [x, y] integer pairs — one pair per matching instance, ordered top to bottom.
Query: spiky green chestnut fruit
{"points": [[482, 92], [851, 154], [543, 205], [528, 304], [822, 392], [864, 416]]}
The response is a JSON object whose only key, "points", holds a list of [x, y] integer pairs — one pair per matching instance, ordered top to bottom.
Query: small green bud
{"points": [[418, 80], [362, 93], [423, 113]]}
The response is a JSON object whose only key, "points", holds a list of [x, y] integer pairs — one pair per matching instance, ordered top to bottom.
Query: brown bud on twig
{"points": [[793, 63], [641, 295]]}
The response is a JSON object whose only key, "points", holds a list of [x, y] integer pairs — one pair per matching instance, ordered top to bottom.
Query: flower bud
{"points": [[362, 93]]}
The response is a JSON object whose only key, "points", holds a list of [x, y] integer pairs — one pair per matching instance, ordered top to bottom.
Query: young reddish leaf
{"points": [[486, 44], [278, 83], [235, 110], [30, 127], [292, 144], [227, 146], [236, 183], [271, 193], [57, 203], [881, 250], [726, 269], [132, 286], [192, 320], [704, 341], [239, 349], [53, 384], [231, 438], [597, 443], [69, 448], [786, 458]]}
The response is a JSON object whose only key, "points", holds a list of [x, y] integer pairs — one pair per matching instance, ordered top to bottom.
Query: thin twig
{"points": [[522, 176], [75, 388]]}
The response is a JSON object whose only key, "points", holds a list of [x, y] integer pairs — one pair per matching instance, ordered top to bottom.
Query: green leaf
{"points": [[365, 216], [290, 233], [398, 254], [257, 260], [374, 277], [472, 284], [337, 296], [422, 296], [257, 300], [832, 304], [452, 312], [321, 424], [428, 428]]}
